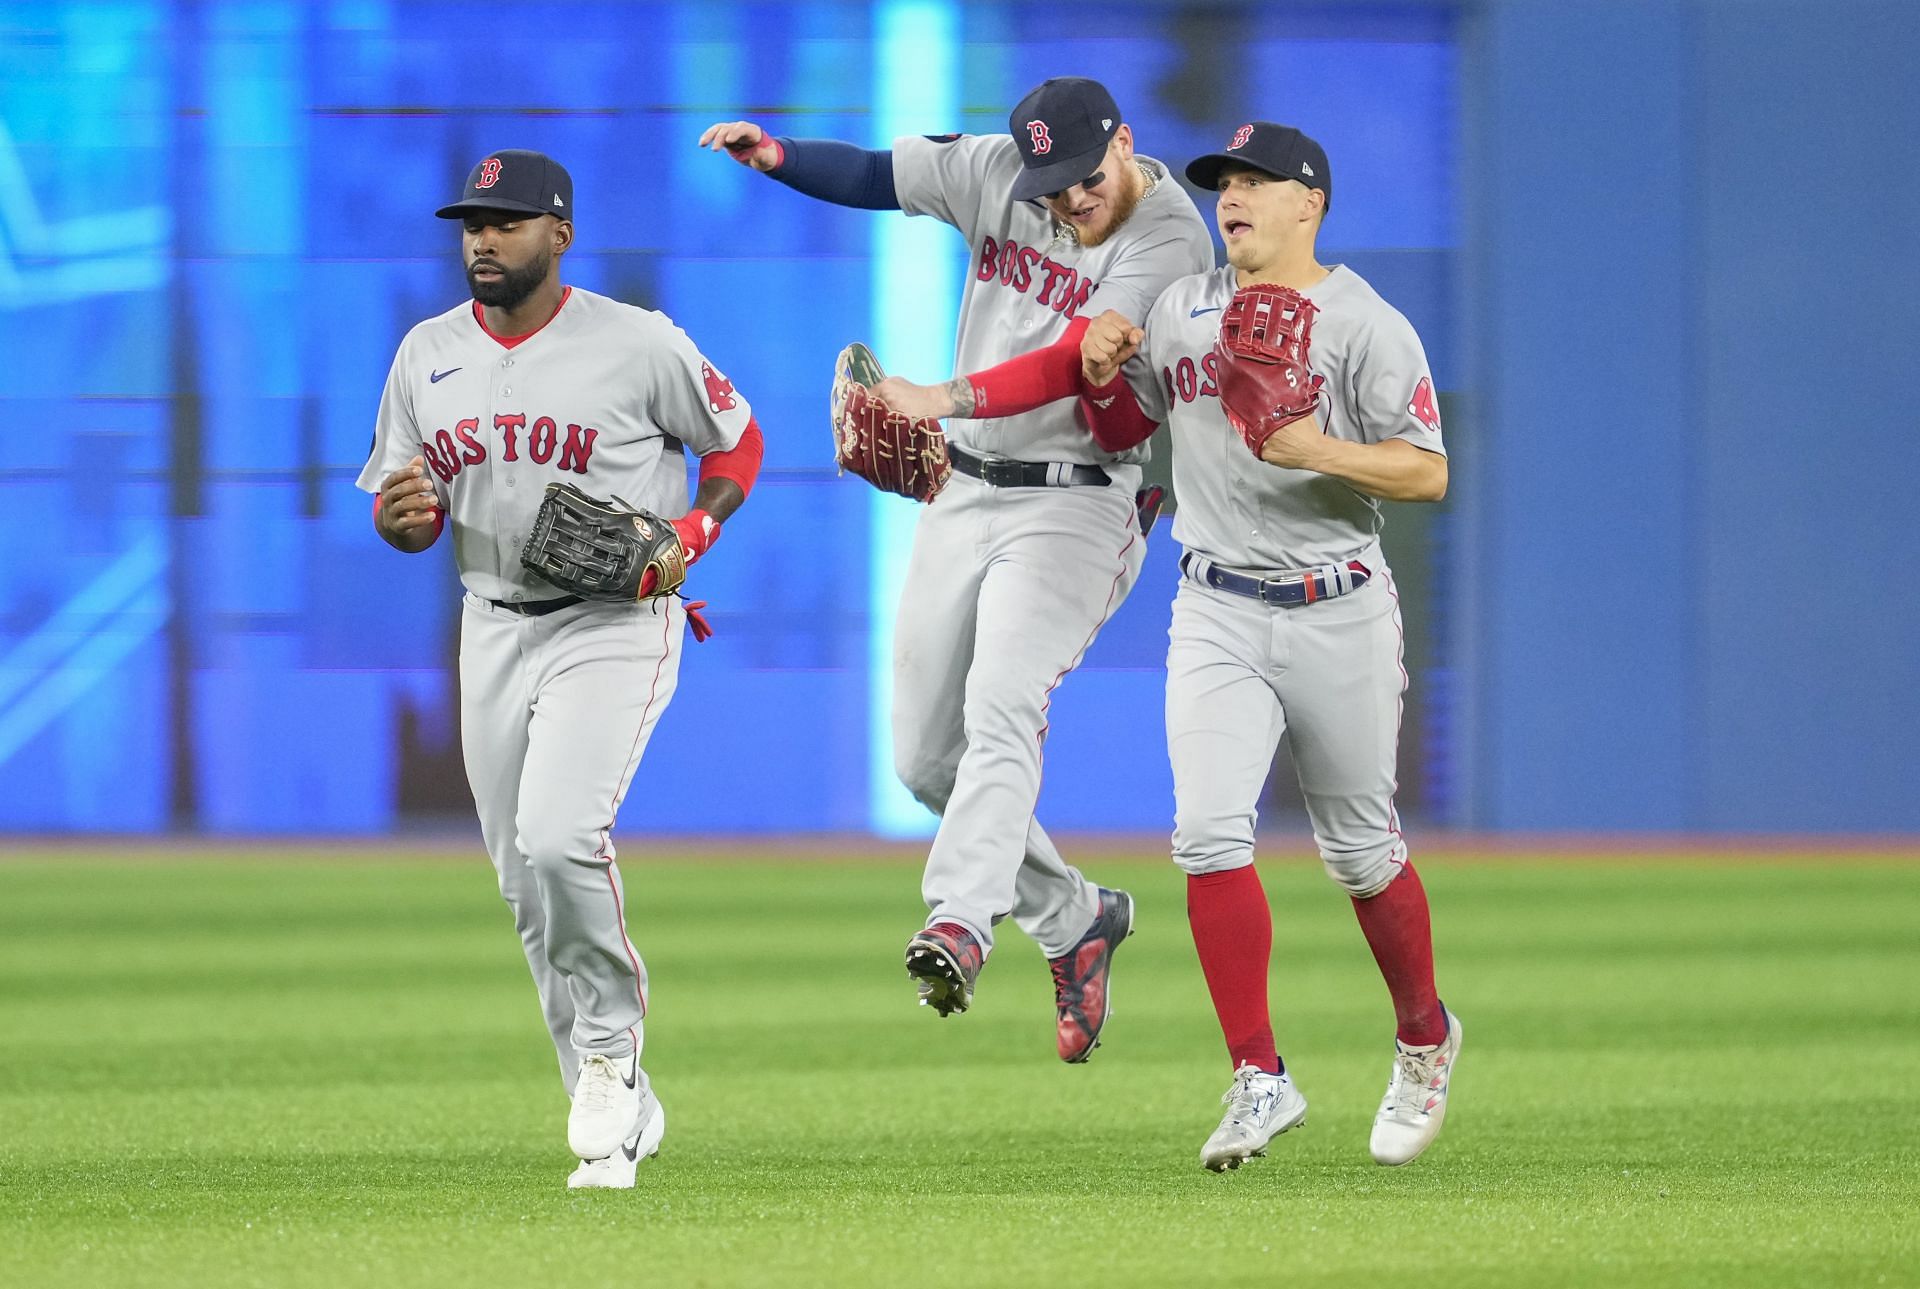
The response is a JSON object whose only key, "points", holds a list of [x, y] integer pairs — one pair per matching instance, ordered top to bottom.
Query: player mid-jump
{"points": [[1297, 399], [514, 416], [1032, 545]]}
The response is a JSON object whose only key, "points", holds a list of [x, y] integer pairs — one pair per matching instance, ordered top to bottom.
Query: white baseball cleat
{"points": [[607, 1100], [1416, 1102], [1260, 1106], [615, 1172]]}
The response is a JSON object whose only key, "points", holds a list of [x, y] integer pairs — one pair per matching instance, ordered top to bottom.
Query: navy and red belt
{"points": [[1287, 589]]}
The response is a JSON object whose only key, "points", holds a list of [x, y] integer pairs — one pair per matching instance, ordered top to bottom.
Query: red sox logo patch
{"points": [[1240, 137], [1042, 141], [489, 173], [719, 390], [1423, 406]]}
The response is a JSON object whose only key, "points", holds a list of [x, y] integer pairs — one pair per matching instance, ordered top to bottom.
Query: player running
{"points": [[530, 384], [1032, 545], [1287, 620]]}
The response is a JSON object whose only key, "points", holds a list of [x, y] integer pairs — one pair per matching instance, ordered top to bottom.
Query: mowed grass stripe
{"points": [[333, 1072]]}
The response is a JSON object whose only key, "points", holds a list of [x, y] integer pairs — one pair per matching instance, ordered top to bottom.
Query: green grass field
{"points": [[331, 1071]]}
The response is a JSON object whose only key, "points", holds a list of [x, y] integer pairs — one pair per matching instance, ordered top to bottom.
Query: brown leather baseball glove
{"points": [[895, 453]]}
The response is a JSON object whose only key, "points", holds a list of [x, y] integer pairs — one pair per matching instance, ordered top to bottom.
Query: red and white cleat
{"points": [[1416, 1102]]}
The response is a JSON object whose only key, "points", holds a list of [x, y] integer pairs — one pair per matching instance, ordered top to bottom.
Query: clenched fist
{"points": [[1109, 342], [409, 514]]}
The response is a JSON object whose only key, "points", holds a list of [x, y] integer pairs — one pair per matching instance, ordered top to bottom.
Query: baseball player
{"points": [[487, 408], [1032, 545], [1287, 621]]}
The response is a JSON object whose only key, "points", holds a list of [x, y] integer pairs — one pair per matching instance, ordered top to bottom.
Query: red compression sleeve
{"points": [[1031, 380], [1114, 417], [740, 463]]}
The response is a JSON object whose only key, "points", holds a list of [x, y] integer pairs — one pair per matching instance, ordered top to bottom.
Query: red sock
{"points": [[1233, 932], [1399, 932]]}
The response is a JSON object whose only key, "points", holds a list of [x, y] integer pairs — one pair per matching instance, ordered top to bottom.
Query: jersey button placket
{"points": [[506, 361], [504, 550]]}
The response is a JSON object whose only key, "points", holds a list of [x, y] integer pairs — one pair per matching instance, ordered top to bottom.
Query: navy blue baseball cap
{"points": [[1062, 128], [1277, 149], [530, 183]]}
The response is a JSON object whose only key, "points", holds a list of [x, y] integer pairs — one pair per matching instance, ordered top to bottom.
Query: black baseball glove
{"points": [[600, 551]]}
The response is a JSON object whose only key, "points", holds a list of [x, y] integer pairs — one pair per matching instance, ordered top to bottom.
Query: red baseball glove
{"points": [[1262, 357], [893, 452]]}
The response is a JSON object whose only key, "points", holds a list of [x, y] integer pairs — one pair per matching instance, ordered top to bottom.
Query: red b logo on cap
{"points": [[1240, 137], [1042, 141], [489, 173]]}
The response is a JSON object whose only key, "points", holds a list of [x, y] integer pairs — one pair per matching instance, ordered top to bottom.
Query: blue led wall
{"points": [[215, 226]]}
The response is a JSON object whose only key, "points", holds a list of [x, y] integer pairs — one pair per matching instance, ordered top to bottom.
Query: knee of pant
{"points": [[1002, 709], [929, 779], [1210, 836], [548, 844], [1215, 857], [1366, 873], [518, 890], [525, 903]]}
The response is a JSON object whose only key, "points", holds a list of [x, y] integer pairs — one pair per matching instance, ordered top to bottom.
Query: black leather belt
{"points": [[1002, 473], [1284, 589], [537, 608]]}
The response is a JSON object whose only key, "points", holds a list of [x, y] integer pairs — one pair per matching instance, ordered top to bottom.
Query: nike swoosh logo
{"points": [[1196, 313], [439, 376], [630, 1079], [631, 1152]]}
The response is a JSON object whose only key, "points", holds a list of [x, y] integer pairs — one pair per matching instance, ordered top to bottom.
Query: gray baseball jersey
{"points": [[1029, 281], [603, 396], [1235, 509], [557, 706]]}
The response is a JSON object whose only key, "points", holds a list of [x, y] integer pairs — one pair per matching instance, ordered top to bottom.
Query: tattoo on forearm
{"points": [[960, 389]]}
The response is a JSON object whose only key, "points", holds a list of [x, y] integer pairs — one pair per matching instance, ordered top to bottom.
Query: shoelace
{"points": [[1061, 980], [1413, 1076], [598, 1079], [1243, 1094]]}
